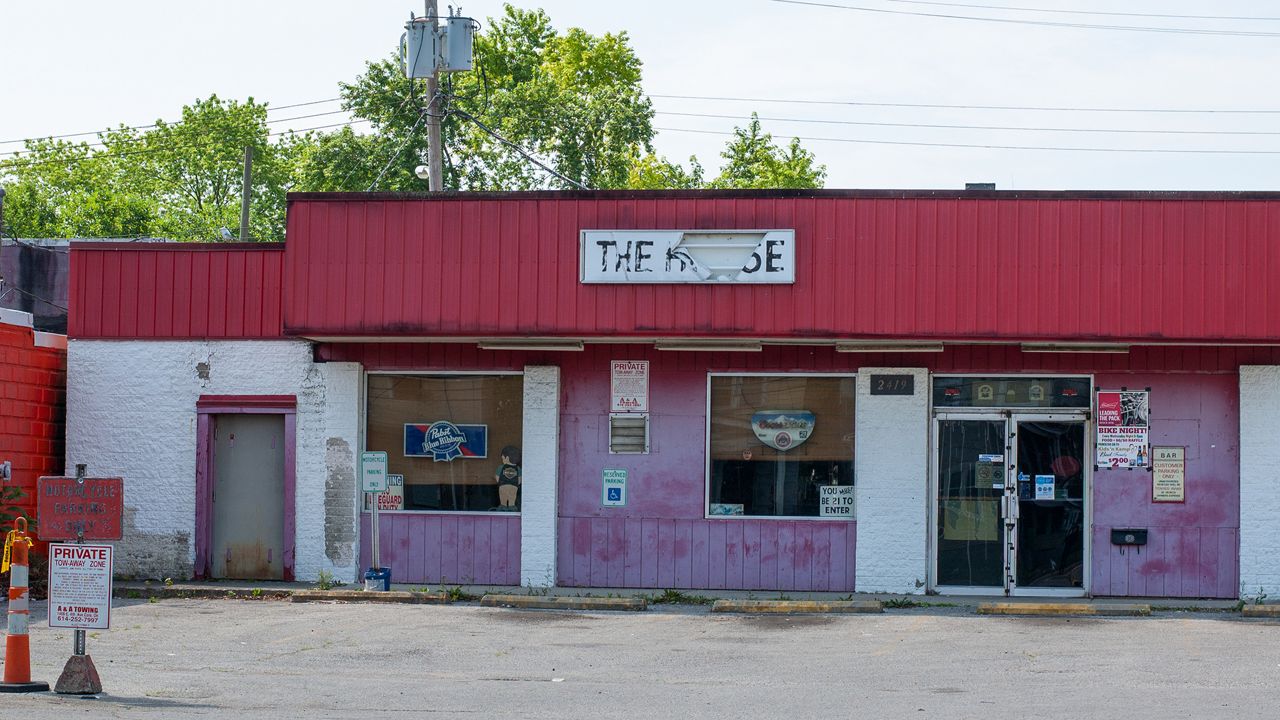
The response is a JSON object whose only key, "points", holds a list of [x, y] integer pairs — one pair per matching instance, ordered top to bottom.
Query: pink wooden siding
{"points": [[1184, 267], [175, 290], [1193, 547], [446, 548], [717, 554]]}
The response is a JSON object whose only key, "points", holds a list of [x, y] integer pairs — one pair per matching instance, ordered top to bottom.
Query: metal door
{"points": [[248, 496]]}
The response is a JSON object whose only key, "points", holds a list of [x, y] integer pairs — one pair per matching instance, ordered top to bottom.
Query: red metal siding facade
{"points": [[1030, 266], [179, 291]]}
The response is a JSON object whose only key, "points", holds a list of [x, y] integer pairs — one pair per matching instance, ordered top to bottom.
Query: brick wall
{"points": [[33, 392]]}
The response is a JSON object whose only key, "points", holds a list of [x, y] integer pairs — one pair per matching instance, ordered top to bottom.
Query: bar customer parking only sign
{"points": [[80, 586]]}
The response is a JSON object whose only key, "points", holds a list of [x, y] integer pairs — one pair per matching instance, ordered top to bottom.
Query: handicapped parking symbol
{"points": [[615, 494]]}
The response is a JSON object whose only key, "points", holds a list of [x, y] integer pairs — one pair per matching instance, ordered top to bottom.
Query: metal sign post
{"points": [[373, 480], [79, 676]]}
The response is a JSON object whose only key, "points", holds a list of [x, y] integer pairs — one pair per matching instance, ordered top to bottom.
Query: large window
{"points": [[455, 439], [781, 446]]}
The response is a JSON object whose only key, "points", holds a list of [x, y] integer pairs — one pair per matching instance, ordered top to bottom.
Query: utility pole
{"points": [[435, 153], [244, 193]]}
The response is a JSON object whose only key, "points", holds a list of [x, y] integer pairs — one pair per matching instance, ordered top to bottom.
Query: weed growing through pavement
{"points": [[324, 580]]}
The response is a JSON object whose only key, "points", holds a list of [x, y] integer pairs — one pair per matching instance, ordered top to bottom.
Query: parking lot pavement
{"points": [[268, 659]]}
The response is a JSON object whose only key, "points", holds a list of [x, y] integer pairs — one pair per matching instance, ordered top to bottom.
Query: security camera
{"points": [[423, 172]]}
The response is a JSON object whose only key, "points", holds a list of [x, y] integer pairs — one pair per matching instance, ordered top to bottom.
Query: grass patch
{"points": [[457, 594], [676, 597]]}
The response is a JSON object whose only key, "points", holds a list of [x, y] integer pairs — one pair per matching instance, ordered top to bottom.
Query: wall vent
{"points": [[629, 433]]}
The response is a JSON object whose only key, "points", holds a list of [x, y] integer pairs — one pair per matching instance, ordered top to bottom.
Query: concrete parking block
{"points": [[395, 596], [546, 602], [787, 607], [1029, 608], [1268, 611]]}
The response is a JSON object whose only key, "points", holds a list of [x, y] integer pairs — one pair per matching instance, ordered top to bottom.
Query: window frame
{"points": [[364, 439], [706, 449]]}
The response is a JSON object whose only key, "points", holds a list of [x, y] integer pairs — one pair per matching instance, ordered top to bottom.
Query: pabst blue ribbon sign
{"points": [[688, 256], [783, 429], [445, 441]]}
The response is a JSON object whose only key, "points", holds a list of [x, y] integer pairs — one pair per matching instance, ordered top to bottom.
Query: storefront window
{"points": [[455, 439], [781, 446]]}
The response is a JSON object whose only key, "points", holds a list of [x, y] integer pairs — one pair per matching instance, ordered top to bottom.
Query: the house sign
{"points": [[688, 256]]}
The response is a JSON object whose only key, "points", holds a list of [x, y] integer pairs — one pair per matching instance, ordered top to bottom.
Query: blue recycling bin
{"points": [[377, 579]]}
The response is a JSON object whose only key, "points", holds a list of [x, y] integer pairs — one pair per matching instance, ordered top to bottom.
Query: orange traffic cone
{"points": [[17, 646]]}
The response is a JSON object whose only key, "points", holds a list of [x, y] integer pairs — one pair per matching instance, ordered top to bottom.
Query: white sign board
{"points": [[688, 256], [629, 386], [373, 471], [614, 487], [836, 501], [80, 586]]}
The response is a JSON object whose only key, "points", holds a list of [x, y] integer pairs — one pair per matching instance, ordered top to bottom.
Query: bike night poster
{"points": [[1123, 429]]}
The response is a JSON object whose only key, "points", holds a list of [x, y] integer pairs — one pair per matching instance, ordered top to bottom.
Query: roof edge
{"points": [[1218, 195]]}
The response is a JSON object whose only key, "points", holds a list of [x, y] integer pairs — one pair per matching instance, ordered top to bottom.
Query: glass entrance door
{"points": [[972, 464], [1010, 503], [1048, 546]]}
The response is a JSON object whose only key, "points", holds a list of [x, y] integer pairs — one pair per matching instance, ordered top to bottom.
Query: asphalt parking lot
{"points": [[221, 658]]}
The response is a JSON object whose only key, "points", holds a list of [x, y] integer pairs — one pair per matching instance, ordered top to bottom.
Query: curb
{"points": [[198, 593], [395, 596], [563, 603], [791, 607], [1061, 609], [1260, 611]]}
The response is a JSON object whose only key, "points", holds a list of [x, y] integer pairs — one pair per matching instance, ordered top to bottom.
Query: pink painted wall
{"points": [[660, 539], [446, 548], [1192, 548]]}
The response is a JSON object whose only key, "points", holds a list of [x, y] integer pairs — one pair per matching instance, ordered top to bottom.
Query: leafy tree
{"points": [[570, 98], [753, 160], [651, 172], [179, 180], [63, 189]]}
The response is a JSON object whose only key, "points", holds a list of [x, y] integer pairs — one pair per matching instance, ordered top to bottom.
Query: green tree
{"points": [[570, 98], [753, 160], [651, 172], [179, 180], [58, 188]]}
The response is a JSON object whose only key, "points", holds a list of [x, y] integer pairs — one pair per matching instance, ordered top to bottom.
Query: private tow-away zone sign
{"points": [[80, 586]]}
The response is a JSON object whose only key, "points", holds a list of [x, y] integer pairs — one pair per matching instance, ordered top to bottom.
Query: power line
{"points": [[1081, 12], [1040, 23], [939, 106], [268, 122], [152, 125], [973, 127], [988, 146], [517, 148], [391, 160], [16, 164], [13, 288]]}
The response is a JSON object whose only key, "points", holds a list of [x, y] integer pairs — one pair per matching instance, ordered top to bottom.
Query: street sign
{"points": [[373, 471], [614, 487], [67, 507], [80, 586]]}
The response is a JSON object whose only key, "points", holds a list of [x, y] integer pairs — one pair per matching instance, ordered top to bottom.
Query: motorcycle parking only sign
{"points": [[80, 586]]}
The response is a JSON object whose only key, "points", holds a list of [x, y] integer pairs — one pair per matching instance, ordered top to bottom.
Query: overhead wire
{"points": [[1081, 12], [1040, 23], [942, 106], [153, 125], [944, 126], [992, 146], [527, 155]]}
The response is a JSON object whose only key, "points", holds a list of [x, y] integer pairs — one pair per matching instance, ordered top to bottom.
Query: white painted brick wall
{"points": [[131, 411], [891, 451], [539, 473], [1259, 480]]}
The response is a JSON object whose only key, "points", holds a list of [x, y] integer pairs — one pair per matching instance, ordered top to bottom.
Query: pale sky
{"points": [[76, 66]]}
